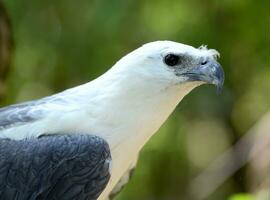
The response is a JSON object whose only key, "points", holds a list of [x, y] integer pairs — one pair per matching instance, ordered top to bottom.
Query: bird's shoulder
{"points": [[30, 111]]}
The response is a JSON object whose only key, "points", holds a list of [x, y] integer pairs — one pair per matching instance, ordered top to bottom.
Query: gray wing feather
{"points": [[27, 112], [19, 113], [59, 167]]}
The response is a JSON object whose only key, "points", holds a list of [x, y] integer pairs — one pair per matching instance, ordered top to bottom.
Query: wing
{"points": [[30, 111], [20, 113], [55, 167]]}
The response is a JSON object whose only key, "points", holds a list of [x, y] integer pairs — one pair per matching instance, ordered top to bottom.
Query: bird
{"points": [[83, 143]]}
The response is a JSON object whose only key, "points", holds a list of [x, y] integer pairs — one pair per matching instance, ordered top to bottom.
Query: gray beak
{"points": [[211, 72]]}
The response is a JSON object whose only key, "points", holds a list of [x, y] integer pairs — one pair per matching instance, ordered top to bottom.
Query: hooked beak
{"points": [[211, 72]]}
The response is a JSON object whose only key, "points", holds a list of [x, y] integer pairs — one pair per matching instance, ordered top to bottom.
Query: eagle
{"points": [[83, 143]]}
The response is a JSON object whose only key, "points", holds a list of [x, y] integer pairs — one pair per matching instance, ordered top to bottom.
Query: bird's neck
{"points": [[129, 111]]}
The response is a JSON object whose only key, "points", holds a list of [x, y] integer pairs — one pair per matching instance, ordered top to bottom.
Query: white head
{"points": [[170, 63], [143, 88]]}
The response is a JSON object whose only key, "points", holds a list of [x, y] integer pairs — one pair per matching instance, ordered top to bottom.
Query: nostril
{"points": [[204, 62]]}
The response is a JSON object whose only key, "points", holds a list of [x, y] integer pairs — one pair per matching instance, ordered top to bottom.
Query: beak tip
{"points": [[219, 78], [219, 88]]}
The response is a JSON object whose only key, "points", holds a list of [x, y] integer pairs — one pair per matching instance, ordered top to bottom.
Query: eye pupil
{"points": [[171, 59], [204, 62]]}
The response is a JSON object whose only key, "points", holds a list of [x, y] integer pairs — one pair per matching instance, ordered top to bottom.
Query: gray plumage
{"points": [[19, 113], [22, 113], [62, 167]]}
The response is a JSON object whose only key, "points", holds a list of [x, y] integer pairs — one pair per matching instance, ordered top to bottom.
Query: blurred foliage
{"points": [[6, 42], [63, 43], [242, 197]]}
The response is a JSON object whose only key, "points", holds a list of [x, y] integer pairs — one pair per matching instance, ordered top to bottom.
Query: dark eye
{"points": [[171, 59], [204, 62]]}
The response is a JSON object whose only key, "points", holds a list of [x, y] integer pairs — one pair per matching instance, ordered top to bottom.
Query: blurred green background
{"points": [[63, 43]]}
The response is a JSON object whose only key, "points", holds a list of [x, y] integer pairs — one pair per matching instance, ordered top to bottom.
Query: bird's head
{"points": [[174, 63], [143, 88]]}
